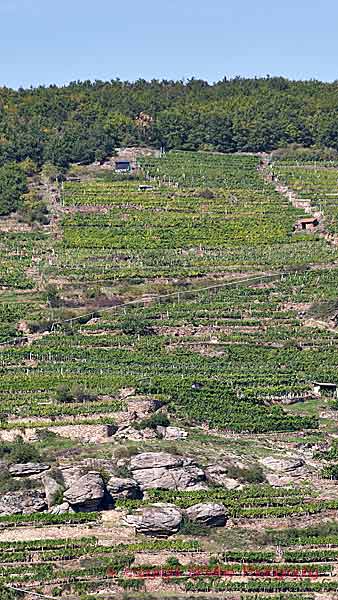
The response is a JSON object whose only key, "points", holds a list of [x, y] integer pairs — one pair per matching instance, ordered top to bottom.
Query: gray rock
{"points": [[126, 392], [140, 408], [126, 432], [172, 433], [152, 460], [282, 465], [26, 469], [71, 474], [217, 475], [158, 477], [181, 478], [277, 480], [52, 488], [120, 488], [87, 493], [24, 502], [61, 509], [210, 514], [159, 520]]}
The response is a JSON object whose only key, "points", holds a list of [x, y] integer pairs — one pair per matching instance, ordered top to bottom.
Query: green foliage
{"points": [[88, 120], [297, 152], [51, 172], [13, 185], [33, 209], [52, 295], [135, 325], [76, 394], [155, 420], [19, 452], [330, 472], [252, 474], [193, 529], [131, 584], [6, 594]]}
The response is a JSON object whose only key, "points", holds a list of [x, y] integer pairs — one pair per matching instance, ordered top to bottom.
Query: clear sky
{"points": [[57, 41]]}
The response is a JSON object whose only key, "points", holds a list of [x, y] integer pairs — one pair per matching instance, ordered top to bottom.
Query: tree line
{"points": [[85, 121], [50, 128]]}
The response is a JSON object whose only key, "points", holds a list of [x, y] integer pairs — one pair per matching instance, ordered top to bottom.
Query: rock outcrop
{"points": [[139, 408], [127, 432], [172, 433], [150, 460], [282, 465], [27, 469], [165, 471], [280, 472], [71, 474], [217, 475], [119, 488], [53, 489], [86, 494], [24, 502], [61, 509], [208, 514], [160, 520]]}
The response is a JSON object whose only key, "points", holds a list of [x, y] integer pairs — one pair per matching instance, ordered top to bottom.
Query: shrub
{"points": [[13, 184], [53, 298], [135, 325], [39, 326], [73, 394], [156, 420], [19, 452], [125, 452], [123, 472], [330, 472], [253, 474], [9, 484], [191, 528], [172, 562], [131, 584], [6, 594]]}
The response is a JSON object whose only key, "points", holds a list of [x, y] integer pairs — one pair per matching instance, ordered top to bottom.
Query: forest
{"points": [[85, 121]]}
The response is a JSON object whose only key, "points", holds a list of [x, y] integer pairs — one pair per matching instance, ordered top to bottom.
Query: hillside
{"points": [[85, 121], [168, 367]]}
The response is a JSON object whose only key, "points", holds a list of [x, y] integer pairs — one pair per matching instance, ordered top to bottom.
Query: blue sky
{"points": [[45, 41]]}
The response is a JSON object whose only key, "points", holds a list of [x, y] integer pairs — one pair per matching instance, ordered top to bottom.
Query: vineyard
{"points": [[317, 183], [168, 342]]}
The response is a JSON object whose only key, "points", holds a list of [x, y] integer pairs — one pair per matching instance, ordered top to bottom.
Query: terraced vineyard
{"points": [[317, 183], [164, 342]]}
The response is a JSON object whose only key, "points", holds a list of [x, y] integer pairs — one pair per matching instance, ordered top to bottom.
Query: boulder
{"points": [[126, 392], [139, 408], [126, 432], [172, 433], [152, 460], [282, 465], [26, 469], [165, 471], [71, 474], [217, 475], [181, 478], [278, 480], [120, 488], [53, 489], [86, 494], [24, 502], [61, 509], [210, 514], [160, 520]]}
